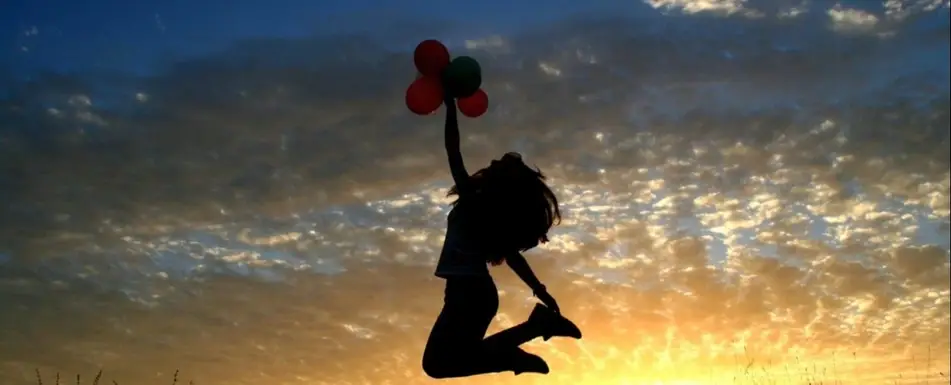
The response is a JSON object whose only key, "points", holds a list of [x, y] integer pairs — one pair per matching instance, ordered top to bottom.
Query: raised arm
{"points": [[459, 174]]}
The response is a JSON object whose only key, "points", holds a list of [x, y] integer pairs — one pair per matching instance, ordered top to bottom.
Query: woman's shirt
{"points": [[462, 252]]}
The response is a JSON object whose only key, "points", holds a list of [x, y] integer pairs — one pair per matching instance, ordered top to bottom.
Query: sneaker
{"points": [[553, 324], [525, 362]]}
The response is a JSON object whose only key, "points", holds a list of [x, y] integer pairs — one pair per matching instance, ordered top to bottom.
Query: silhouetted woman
{"points": [[499, 212]]}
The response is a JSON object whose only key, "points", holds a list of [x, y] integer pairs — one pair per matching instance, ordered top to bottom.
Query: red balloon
{"points": [[431, 57], [424, 96], [474, 105]]}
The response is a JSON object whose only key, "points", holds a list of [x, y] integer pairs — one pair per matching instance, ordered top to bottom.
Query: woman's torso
{"points": [[466, 249]]}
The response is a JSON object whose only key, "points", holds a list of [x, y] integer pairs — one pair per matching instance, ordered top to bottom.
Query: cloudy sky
{"points": [[755, 191]]}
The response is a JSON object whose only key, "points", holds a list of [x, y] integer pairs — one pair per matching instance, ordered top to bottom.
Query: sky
{"points": [[754, 191]]}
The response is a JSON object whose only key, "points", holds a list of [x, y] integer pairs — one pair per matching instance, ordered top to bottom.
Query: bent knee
{"points": [[435, 367]]}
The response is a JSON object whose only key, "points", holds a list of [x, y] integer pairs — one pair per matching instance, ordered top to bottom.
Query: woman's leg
{"points": [[542, 322], [514, 336], [456, 347]]}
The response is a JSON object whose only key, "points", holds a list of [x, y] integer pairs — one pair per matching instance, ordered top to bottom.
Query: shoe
{"points": [[553, 324], [525, 362]]}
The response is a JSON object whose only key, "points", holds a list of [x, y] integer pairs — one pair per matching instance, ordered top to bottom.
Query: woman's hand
{"points": [[548, 300]]}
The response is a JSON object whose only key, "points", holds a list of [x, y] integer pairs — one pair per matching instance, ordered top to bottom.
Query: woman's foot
{"points": [[553, 324], [525, 362]]}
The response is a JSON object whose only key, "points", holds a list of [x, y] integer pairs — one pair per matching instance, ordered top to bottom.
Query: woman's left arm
{"points": [[520, 266]]}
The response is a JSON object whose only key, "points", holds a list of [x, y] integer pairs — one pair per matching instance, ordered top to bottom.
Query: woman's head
{"points": [[518, 205]]}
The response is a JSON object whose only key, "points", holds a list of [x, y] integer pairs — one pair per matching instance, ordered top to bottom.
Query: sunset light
{"points": [[753, 192]]}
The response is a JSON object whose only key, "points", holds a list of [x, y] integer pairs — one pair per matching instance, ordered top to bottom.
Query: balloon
{"points": [[431, 57], [462, 77], [424, 96], [474, 105]]}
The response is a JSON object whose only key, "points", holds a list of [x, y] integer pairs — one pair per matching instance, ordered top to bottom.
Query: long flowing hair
{"points": [[511, 205]]}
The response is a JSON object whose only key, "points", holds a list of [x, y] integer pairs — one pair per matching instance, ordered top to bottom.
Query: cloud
{"points": [[738, 192]]}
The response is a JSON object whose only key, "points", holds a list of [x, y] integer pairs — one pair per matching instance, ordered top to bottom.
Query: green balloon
{"points": [[462, 77]]}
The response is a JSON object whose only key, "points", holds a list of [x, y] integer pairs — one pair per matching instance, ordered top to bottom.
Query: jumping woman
{"points": [[499, 212]]}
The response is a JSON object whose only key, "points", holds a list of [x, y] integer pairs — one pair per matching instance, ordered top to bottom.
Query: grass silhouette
{"points": [[748, 371], [799, 373], [746, 376], [96, 380]]}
